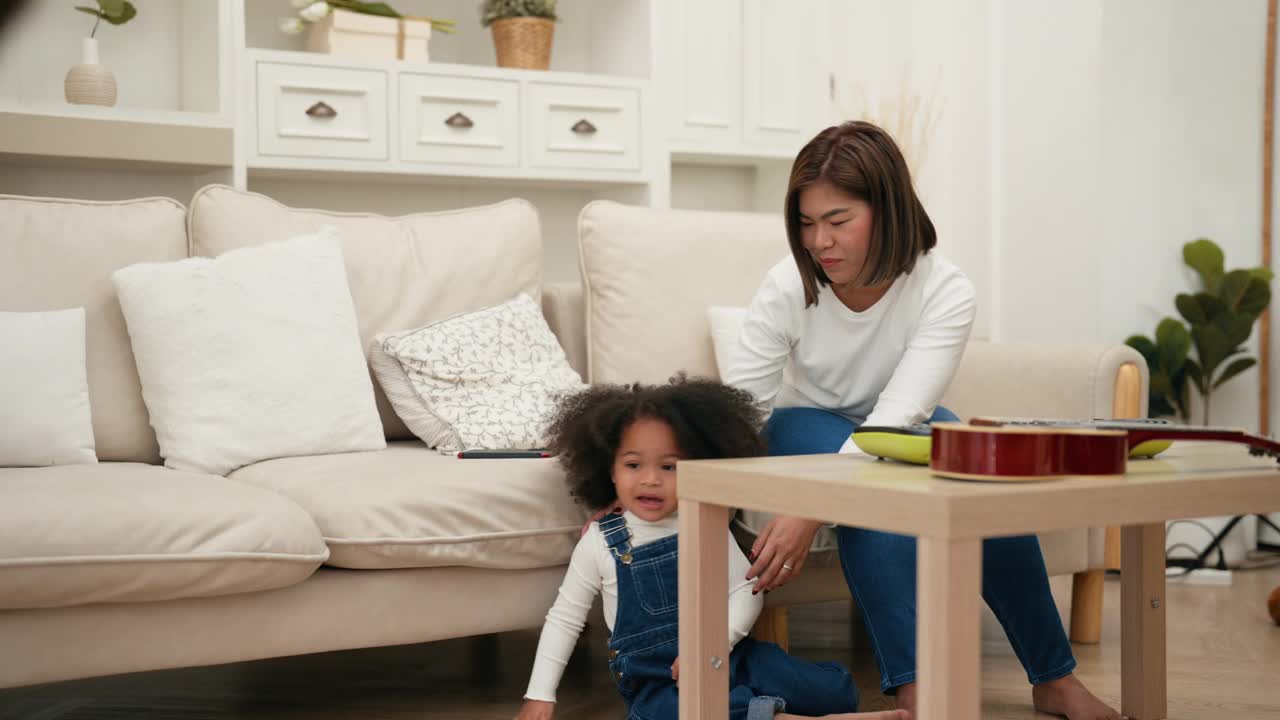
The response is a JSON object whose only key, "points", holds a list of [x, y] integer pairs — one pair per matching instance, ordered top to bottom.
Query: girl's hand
{"points": [[785, 540], [675, 671], [536, 710]]}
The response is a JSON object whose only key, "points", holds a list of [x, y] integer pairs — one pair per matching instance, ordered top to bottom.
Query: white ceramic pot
{"points": [[89, 83]]}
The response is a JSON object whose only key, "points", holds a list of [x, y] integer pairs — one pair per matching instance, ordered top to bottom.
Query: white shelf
{"points": [[301, 57], [36, 133], [739, 155], [303, 170]]}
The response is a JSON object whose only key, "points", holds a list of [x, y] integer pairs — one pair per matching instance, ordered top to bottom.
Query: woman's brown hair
{"points": [[863, 161]]}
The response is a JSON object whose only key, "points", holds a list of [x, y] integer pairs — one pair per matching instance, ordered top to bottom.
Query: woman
{"points": [[874, 324]]}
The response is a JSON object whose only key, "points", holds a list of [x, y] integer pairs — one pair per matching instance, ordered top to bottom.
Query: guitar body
{"points": [[1021, 453]]}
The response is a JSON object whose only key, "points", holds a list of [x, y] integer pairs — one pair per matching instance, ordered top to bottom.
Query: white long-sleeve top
{"points": [[887, 365], [592, 571]]}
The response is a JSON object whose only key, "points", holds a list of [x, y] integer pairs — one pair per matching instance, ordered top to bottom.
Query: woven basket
{"points": [[523, 42]]}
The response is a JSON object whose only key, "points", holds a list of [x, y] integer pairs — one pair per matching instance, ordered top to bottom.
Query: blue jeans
{"points": [[881, 571]]}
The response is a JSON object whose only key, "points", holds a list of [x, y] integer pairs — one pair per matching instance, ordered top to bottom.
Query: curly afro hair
{"points": [[709, 420]]}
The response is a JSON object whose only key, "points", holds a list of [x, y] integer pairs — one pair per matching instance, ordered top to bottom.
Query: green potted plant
{"points": [[522, 31], [89, 83], [1216, 322]]}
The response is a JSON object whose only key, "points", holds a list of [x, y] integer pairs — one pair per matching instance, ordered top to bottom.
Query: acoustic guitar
{"points": [[914, 443], [1020, 449]]}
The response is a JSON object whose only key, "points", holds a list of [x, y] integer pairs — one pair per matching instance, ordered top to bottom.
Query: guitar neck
{"points": [[1142, 430], [1262, 445]]}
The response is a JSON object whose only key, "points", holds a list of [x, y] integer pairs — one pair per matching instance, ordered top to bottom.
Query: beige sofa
{"points": [[128, 566]]}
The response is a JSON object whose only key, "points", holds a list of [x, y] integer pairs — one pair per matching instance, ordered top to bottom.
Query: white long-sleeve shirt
{"points": [[887, 365], [592, 571]]}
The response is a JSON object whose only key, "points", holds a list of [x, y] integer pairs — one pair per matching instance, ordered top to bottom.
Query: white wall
{"points": [[901, 62], [1183, 115], [1080, 145]]}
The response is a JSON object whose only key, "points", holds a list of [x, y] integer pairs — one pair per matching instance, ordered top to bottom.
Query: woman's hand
{"points": [[784, 541], [675, 671], [536, 710]]}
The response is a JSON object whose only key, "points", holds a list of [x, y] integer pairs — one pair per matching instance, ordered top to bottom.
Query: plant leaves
{"points": [[366, 8], [92, 11], [117, 12], [1205, 257], [1263, 274], [1232, 287], [1256, 297], [1210, 304], [1190, 309], [1235, 327], [1173, 343], [1145, 347], [1212, 347], [1234, 369], [1193, 372], [1160, 384], [1182, 391], [1158, 406]]}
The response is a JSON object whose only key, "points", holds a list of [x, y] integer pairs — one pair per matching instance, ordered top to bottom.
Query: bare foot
{"points": [[1068, 697], [905, 699], [882, 715]]}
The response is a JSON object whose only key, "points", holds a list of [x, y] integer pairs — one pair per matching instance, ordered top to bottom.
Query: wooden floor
{"points": [[1224, 662]]}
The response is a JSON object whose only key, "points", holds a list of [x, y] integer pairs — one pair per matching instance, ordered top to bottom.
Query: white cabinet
{"points": [[704, 76], [746, 77], [787, 77], [319, 111], [397, 119], [459, 120], [583, 126]]}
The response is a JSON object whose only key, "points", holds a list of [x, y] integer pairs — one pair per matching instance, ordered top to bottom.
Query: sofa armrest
{"points": [[564, 307], [1049, 380], [1053, 380]]}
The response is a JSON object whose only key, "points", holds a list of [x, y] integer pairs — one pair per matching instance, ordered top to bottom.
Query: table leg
{"points": [[704, 611], [1142, 622], [949, 629]]}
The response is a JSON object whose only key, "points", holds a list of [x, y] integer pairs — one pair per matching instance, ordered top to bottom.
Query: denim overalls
{"points": [[763, 679]]}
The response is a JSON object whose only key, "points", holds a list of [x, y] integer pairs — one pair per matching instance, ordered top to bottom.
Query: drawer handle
{"points": [[322, 110], [458, 120], [584, 127]]}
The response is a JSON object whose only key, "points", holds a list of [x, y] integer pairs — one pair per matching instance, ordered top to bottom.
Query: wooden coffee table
{"points": [[951, 518]]}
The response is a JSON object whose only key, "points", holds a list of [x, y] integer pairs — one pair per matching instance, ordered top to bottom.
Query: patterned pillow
{"points": [[485, 379]]}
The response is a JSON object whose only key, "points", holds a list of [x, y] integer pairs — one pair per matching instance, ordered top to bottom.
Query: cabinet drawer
{"points": [[313, 111], [463, 121], [580, 126]]}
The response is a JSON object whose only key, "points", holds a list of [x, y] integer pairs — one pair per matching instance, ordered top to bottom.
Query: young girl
{"points": [[619, 446]]}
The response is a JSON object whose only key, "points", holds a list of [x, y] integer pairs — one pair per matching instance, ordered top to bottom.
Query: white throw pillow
{"points": [[252, 355], [484, 379], [44, 390]]}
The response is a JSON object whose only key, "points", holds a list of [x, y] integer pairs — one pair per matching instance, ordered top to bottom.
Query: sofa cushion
{"points": [[57, 254], [404, 272], [650, 275], [251, 355], [484, 379], [44, 390], [409, 506], [128, 532]]}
